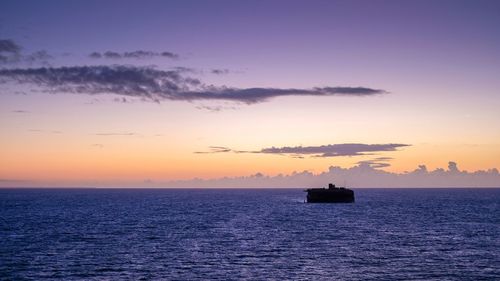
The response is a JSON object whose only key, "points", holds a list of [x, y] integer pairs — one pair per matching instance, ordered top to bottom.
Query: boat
{"points": [[332, 194]]}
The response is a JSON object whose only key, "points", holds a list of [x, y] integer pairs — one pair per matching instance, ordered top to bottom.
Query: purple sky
{"points": [[243, 34], [247, 75]]}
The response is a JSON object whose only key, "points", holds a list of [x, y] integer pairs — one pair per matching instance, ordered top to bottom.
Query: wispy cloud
{"points": [[140, 54], [42, 57], [186, 69], [156, 85], [215, 108], [45, 131], [116, 134], [215, 149], [330, 150], [379, 162], [12, 180]]}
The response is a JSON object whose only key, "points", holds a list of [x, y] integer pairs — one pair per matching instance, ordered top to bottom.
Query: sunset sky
{"points": [[145, 93]]}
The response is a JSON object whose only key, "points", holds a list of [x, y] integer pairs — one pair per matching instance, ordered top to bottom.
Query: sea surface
{"points": [[250, 234]]}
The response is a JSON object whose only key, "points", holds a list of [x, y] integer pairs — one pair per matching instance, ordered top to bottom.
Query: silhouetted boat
{"points": [[331, 194]]}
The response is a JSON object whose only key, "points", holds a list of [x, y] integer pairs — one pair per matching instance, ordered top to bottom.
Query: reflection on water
{"points": [[93, 234]]}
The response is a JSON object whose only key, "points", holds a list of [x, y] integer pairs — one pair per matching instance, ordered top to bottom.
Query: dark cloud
{"points": [[9, 46], [9, 51], [140, 54], [95, 55], [112, 55], [169, 55], [219, 71], [140, 82], [155, 85], [256, 95], [20, 111], [331, 150]]}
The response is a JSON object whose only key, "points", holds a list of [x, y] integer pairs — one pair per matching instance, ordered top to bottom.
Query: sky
{"points": [[249, 93]]}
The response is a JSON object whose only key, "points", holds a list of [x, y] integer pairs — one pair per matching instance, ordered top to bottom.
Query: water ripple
{"points": [[397, 234]]}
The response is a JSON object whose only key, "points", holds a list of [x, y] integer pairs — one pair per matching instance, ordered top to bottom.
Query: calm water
{"points": [[388, 234]]}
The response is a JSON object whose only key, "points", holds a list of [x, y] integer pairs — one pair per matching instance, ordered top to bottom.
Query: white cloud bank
{"points": [[362, 175]]}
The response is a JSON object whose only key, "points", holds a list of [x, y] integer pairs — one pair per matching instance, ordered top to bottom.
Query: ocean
{"points": [[248, 234]]}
